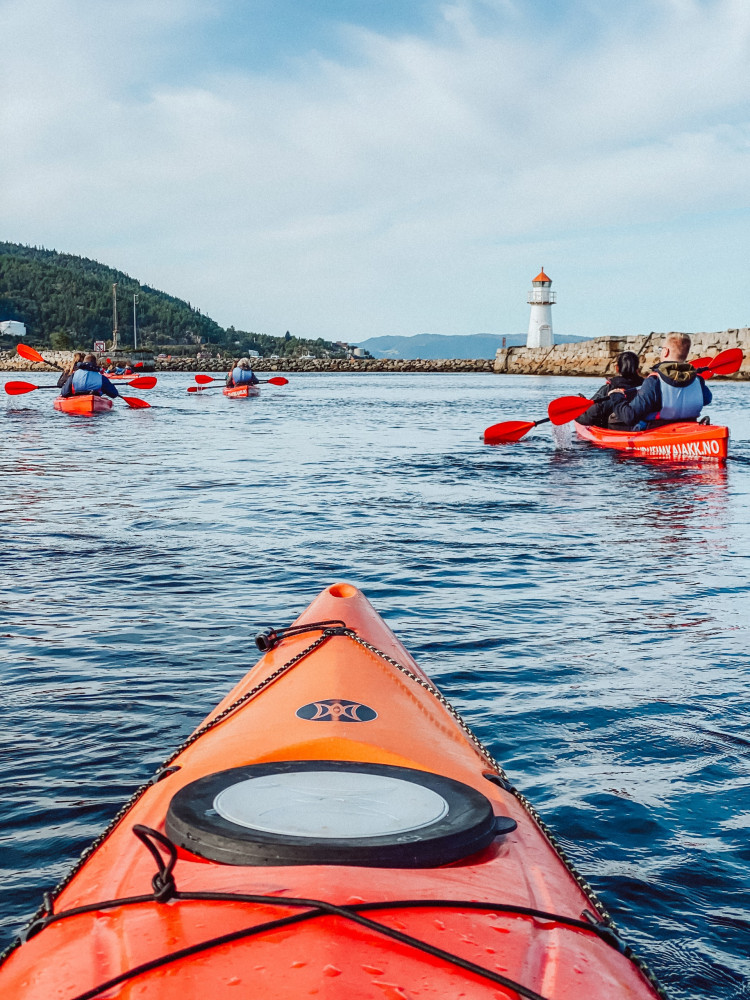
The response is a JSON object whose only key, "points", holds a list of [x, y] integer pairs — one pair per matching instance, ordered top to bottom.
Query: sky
{"points": [[355, 168]]}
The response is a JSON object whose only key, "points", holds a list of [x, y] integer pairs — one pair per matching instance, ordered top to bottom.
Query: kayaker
{"points": [[69, 368], [242, 374], [626, 378], [88, 380], [673, 392]]}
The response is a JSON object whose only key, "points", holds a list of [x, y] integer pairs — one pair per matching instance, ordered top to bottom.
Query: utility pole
{"points": [[114, 316], [135, 326]]}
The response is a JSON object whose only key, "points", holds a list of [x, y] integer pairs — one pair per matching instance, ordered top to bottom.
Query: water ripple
{"points": [[587, 613]]}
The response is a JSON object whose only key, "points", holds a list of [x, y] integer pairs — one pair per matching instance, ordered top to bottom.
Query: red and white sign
{"points": [[99, 346]]}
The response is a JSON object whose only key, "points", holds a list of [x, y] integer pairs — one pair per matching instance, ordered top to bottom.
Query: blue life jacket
{"points": [[241, 376], [86, 381], [680, 402]]}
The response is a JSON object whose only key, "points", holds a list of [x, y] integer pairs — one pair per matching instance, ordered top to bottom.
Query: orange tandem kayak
{"points": [[241, 391], [83, 405], [678, 442], [333, 828]]}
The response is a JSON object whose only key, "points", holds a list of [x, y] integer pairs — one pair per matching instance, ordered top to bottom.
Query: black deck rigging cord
{"points": [[605, 930]]}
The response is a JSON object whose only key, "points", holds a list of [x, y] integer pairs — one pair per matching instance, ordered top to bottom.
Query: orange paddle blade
{"points": [[30, 354], [726, 363], [204, 379], [277, 380], [144, 382], [18, 388], [195, 388], [134, 403], [566, 408], [510, 430]]}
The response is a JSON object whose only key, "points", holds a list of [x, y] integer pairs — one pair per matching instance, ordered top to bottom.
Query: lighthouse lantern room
{"points": [[541, 300]]}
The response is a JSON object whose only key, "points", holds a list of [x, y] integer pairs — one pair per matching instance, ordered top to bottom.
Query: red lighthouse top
{"points": [[542, 277]]}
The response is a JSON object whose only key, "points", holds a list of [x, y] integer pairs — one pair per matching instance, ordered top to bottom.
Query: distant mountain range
{"points": [[431, 346]]}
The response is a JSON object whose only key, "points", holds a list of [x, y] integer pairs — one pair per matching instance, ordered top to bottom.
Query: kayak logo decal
{"points": [[336, 710]]}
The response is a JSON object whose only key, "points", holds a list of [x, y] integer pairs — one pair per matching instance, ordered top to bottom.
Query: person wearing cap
{"points": [[242, 374]]}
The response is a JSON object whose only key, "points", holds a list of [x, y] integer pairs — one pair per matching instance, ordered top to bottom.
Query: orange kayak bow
{"points": [[333, 828]]}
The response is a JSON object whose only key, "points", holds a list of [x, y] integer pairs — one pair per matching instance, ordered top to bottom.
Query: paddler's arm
{"points": [[108, 389], [602, 392], [645, 402]]}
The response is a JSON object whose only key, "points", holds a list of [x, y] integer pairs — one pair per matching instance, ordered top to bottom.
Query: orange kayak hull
{"points": [[241, 391], [84, 406], [678, 442], [349, 706]]}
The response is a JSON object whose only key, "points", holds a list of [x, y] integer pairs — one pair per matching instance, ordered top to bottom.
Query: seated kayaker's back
{"points": [[242, 374], [87, 380], [674, 391]]}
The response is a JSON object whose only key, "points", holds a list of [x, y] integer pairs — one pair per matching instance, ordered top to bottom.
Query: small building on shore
{"points": [[13, 328]]}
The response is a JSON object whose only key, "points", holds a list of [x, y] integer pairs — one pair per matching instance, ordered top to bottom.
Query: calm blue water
{"points": [[588, 615]]}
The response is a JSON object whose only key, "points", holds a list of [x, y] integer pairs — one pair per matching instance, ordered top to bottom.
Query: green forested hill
{"points": [[66, 302]]}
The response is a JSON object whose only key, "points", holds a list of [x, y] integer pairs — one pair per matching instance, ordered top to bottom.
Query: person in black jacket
{"points": [[626, 381]]}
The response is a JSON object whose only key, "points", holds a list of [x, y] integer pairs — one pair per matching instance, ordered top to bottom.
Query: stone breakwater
{"points": [[587, 357], [597, 357], [11, 362], [334, 365]]}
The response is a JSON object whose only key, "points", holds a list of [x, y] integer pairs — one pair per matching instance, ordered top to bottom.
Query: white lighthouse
{"points": [[541, 300]]}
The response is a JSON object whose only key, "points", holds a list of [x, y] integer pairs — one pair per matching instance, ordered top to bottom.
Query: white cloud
{"points": [[409, 188]]}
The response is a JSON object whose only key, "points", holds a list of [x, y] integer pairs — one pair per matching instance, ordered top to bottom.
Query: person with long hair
{"points": [[68, 369], [626, 380]]}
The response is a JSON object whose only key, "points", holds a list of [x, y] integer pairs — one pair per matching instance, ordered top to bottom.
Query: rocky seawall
{"points": [[587, 357], [597, 357], [11, 362]]}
